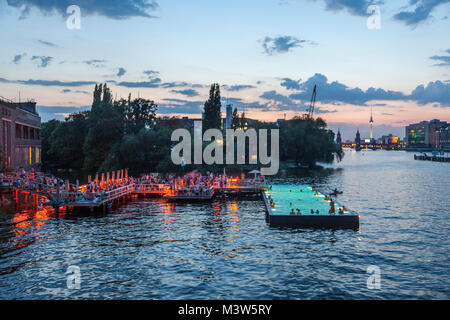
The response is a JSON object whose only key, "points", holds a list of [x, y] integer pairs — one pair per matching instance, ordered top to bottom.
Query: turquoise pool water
{"points": [[288, 197]]}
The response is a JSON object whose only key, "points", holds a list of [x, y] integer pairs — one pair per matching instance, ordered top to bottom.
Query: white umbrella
{"points": [[255, 172]]}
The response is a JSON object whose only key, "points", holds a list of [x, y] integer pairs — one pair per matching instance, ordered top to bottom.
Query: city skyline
{"points": [[266, 55]]}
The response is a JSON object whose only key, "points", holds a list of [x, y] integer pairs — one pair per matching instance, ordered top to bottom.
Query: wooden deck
{"points": [[79, 197]]}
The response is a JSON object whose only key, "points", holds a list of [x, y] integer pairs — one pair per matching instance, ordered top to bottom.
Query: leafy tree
{"points": [[138, 114], [212, 114], [235, 121], [243, 121], [106, 126], [66, 141], [307, 141], [141, 152], [48, 155]]}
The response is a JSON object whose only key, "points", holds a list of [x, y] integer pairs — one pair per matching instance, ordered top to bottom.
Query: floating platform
{"points": [[432, 158], [292, 197]]}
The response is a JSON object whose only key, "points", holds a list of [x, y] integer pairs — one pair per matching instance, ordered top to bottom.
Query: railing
{"points": [[151, 187]]}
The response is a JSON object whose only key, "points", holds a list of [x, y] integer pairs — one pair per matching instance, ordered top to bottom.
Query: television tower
{"points": [[371, 124]]}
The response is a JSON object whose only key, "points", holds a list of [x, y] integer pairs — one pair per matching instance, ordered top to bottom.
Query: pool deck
{"points": [[280, 216]]}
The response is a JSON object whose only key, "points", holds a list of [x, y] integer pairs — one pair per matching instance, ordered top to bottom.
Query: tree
{"points": [[138, 114], [212, 115], [235, 121], [243, 122], [106, 126], [308, 141]]}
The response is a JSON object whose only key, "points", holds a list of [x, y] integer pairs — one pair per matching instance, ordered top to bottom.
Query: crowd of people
{"points": [[97, 190]]}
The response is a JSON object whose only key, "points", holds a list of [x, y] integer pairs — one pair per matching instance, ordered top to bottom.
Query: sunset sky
{"points": [[267, 55]]}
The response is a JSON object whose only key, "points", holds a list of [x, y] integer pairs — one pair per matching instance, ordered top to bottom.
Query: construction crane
{"points": [[313, 103]]}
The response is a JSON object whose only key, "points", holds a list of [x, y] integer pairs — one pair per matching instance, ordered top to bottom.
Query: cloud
{"points": [[354, 7], [114, 9], [421, 12], [46, 43], [281, 44], [18, 58], [42, 61], [444, 61], [96, 63], [121, 72], [151, 73], [50, 83], [153, 83], [290, 84], [180, 85], [238, 87], [76, 91], [436, 91], [186, 92], [338, 92], [276, 98], [180, 106]]}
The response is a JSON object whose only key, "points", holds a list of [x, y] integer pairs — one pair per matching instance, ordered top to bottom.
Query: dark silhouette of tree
{"points": [[212, 115], [235, 121], [243, 121], [106, 126]]}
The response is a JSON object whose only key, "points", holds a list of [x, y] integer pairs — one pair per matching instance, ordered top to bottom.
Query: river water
{"points": [[149, 249]]}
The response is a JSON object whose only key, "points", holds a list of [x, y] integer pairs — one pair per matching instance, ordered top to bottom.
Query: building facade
{"points": [[424, 134], [20, 135], [444, 138]]}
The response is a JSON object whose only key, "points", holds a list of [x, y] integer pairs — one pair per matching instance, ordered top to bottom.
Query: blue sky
{"points": [[266, 54]]}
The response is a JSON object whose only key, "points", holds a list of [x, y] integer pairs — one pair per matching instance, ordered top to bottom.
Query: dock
{"points": [[432, 158], [78, 197], [302, 197]]}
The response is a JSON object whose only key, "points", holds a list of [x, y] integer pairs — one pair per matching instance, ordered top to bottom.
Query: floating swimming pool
{"points": [[302, 197]]}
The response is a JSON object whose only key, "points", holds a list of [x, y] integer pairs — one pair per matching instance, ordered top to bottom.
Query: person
{"points": [[332, 210], [292, 211], [298, 211], [312, 211], [317, 211], [340, 211]]}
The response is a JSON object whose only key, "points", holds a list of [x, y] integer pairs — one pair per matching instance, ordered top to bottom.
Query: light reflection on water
{"points": [[150, 249]]}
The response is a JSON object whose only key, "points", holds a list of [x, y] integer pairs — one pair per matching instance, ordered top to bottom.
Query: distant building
{"points": [[371, 125], [424, 134], [20, 135], [339, 138], [443, 138], [358, 140], [389, 140]]}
